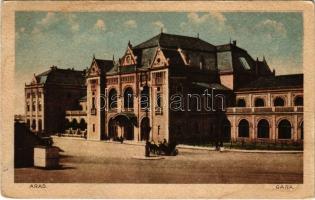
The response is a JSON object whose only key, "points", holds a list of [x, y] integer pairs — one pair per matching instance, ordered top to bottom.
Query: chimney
{"points": [[234, 42], [53, 67]]}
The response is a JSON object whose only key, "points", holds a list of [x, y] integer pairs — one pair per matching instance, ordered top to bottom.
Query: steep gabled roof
{"points": [[176, 41], [173, 56], [105, 65], [263, 68], [61, 76], [275, 82]]}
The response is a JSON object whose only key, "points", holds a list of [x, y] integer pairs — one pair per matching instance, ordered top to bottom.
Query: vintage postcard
{"points": [[155, 99]]}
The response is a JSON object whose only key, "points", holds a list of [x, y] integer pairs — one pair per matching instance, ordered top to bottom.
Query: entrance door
{"points": [[145, 129]]}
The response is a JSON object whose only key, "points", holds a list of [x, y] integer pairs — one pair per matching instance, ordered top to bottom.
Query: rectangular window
{"points": [[158, 78], [93, 102], [159, 102], [33, 107], [39, 107], [28, 108], [93, 127]]}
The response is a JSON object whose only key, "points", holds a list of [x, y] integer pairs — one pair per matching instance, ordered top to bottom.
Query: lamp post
{"points": [[146, 128]]}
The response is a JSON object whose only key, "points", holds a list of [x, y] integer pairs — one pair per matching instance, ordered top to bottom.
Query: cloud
{"points": [[52, 18], [195, 18], [48, 19], [200, 19], [212, 22], [73, 23], [130, 24], [100, 25], [159, 25], [271, 28]]}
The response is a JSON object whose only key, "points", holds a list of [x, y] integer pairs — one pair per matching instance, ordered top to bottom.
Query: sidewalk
{"points": [[183, 146]]}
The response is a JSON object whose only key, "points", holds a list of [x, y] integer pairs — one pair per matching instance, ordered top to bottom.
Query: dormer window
{"points": [[188, 58], [201, 63], [244, 63]]}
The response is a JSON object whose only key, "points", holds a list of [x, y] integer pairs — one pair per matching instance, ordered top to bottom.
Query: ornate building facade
{"points": [[182, 88], [49, 95]]}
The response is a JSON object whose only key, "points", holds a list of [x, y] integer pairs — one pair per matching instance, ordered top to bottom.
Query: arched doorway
{"points": [[112, 99], [125, 123], [112, 128], [243, 128], [145, 129], [263, 129], [284, 129], [226, 130]]}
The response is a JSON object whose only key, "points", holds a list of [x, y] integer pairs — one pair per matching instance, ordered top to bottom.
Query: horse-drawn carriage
{"points": [[168, 149]]}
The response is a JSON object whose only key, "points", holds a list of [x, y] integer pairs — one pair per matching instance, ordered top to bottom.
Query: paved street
{"points": [[101, 162]]}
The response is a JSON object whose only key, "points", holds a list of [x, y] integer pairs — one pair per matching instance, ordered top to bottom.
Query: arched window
{"points": [[128, 98], [145, 98], [112, 99], [278, 101], [298, 101], [259, 102], [241, 103], [33, 106], [28, 123], [33, 124], [74, 124], [82, 125], [243, 128], [263, 129], [284, 129], [226, 130]]}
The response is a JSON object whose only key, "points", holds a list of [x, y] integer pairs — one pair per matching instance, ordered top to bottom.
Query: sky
{"points": [[69, 40]]}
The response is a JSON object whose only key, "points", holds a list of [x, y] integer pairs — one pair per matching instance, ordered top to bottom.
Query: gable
{"points": [[128, 58], [159, 59], [94, 69], [34, 80]]}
